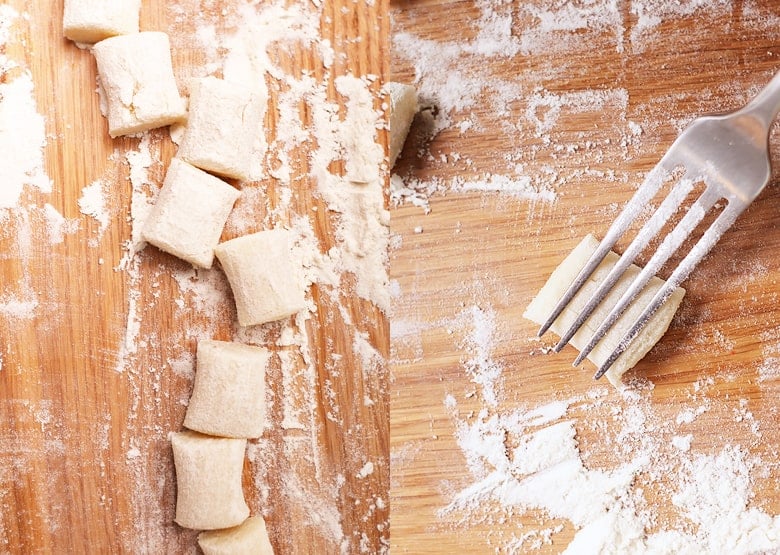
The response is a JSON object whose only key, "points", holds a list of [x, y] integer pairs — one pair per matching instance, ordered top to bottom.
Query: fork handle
{"points": [[766, 105]]}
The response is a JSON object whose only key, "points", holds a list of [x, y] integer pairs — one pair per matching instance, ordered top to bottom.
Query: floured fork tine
{"points": [[641, 198], [651, 228], [668, 247], [699, 251]]}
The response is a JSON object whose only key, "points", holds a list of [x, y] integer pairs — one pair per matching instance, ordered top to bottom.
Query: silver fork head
{"points": [[729, 154]]}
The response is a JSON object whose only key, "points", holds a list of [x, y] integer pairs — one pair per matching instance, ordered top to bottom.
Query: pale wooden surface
{"points": [[495, 251], [85, 461]]}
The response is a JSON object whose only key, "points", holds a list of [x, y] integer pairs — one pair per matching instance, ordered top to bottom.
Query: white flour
{"points": [[651, 13], [461, 78], [22, 128], [144, 188], [93, 203], [57, 225], [18, 308], [483, 370], [545, 469], [606, 506]]}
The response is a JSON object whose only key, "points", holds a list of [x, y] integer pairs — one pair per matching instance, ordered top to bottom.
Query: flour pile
{"points": [[643, 487]]}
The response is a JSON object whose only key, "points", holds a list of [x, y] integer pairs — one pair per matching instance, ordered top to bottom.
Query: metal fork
{"points": [[729, 153]]}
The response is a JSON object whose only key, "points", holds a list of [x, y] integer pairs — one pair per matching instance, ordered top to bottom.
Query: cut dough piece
{"points": [[90, 21], [137, 76], [403, 107], [223, 127], [189, 214], [564, 275], [267, 284], [228, 398], [208, 481], [251, 538]]}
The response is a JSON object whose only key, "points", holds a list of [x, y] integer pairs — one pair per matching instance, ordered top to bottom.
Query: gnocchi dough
{"points": [[90, 21], [136, 73], [403, 107], [223, 128], [190, 212], [564, 275], [267, 283], [228, 398], [208, 481], [250, 538]]}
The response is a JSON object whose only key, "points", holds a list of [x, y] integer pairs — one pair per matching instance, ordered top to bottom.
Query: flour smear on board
{"points": [[462, 77], [22, 128], [22, 143], [530, 459]]}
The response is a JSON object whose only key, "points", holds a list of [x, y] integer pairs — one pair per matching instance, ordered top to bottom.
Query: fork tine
{"points": [[643, 195], [650, 229], [668, 247], [699, 251]]}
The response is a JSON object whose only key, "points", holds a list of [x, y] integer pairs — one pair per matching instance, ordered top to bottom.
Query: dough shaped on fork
{"points": [[541, 307], [228, 398], [209, 495], [250, 538]]}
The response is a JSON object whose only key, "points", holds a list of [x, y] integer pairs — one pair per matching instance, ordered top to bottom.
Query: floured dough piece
{"points": [[90, 21], [137, 76], [403, 107], [224, 125], [189, 214], [564, 275], [267, 283], [228, 398], [208, 481], [251, 538]]}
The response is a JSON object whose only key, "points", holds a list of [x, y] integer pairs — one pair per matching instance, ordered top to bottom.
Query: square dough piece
{"points": [[90, 21], [137, 76], [403, 107], [223, 127], [190, 212], [564, 275], [267, 283], [228, 398], [208, 481], [251, 538]]}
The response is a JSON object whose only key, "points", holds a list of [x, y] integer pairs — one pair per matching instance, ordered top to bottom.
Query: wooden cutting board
{"points": [[490, 252], [98, 374]]}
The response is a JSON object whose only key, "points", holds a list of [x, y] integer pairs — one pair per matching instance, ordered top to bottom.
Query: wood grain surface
{"points": [[492, 251], [85, 459]]}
